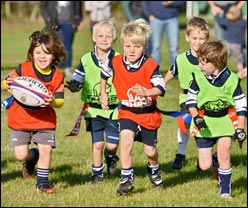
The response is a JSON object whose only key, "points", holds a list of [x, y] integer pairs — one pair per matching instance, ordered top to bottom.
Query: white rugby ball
{"points": [[29, 91]]}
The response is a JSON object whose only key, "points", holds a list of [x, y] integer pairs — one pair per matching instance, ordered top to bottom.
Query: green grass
{"points": [[71, 160]]}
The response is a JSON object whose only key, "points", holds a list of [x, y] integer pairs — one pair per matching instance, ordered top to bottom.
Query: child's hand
{"points": [[8, 82], [139, 90], [48, 100], [199, 122], [240, 136]]}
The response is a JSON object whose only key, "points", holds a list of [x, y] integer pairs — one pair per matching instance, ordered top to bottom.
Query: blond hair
{"points": [[197, 23], [108, 25], [136, 31]]}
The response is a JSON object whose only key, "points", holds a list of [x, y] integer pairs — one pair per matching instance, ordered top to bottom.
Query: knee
{"points": [[151, 152], [22, 156]]}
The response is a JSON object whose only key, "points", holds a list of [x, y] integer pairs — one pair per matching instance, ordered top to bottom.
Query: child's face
{"points": [[103, 39], [195, 39], [132, 51], [41, 57], [207, 68]]}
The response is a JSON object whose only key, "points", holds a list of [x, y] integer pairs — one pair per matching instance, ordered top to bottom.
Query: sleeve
{"points": [[158, 81], [192, 94]]}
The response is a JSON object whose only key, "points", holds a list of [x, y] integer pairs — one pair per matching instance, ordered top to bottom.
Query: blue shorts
{"points": [[97, 127], [149, 137], [19, 138], [205, 142]]}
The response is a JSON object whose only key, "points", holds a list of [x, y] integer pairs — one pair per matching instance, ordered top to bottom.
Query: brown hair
{"points": [[48, 37], [214, 52]]}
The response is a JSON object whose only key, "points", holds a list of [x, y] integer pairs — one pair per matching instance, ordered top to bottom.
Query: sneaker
{"points": [[178, 162], [111, 163], [28, 166], [215, 166], [95, 179], [156, 180], [126, 186], [45, 188], [226, 196]]}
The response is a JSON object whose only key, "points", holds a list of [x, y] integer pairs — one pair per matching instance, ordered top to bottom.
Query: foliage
{"points": [[71, 160]]}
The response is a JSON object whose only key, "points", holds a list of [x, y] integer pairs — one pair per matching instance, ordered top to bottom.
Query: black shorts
{"points": [[149, 137], [205, 142]]}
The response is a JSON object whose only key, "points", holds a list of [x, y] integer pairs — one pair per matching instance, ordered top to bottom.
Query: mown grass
{"points": [[71, 160]]}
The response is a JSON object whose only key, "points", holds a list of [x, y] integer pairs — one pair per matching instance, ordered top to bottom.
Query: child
{"points": [[197, 32], [235, 34], [44, 54], [87, 76], [138, 82], [212, 112]]}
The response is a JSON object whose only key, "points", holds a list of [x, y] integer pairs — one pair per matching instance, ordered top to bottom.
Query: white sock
{"points": [[183, 142]]}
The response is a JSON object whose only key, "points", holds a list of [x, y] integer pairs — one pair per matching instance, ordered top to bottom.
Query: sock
{"points": [[183, 142], [97, 170], [153, 170], [127, 173], [42, 175], [225, 180]]}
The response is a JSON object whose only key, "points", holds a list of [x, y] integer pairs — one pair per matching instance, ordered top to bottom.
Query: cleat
{"points": [[178, 162], [111, 163], [28, 166], [215, 166], [96, 179], [156, 180], [126, 186], [45, 188], [226, 196]]}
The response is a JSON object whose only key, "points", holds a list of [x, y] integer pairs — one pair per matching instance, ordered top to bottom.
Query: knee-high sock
{"points": [[182, 141]]}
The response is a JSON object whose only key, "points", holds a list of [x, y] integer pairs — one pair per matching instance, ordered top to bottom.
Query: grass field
{"points": [[71, 160]]}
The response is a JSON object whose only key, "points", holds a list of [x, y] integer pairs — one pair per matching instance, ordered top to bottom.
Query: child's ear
{"points": [[187, 37]]}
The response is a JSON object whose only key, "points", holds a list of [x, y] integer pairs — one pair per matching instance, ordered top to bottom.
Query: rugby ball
{"points": [[28, 91]]}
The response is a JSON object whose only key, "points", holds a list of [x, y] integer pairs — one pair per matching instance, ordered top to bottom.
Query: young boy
{"points": [[197, 32], [44, 54], [138, 82], [211, 101], [98, 122]]}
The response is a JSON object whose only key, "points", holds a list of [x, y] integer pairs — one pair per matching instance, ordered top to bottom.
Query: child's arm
{"points": [[103, 96]]}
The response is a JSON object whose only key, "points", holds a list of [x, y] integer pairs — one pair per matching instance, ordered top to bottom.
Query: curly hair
{"points": [[48, 36]]}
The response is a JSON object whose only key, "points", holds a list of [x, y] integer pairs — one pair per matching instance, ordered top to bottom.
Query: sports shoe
{"points": [[111, 162], [178, 162], [28, 166], [215, 166], [95, 179], [156, 180], [126, 186], [45, 188], [226, 196]]}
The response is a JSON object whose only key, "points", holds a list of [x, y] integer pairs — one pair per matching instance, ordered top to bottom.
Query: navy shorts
{"points": [[97, 127], [149, 137], [19, 138], [205, 142]]}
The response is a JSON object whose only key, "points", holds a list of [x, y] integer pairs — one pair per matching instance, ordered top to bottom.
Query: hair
{"points": [[233, 13], [197, 23], [107, 25], [136, 31], [48, 37], [214, 52]]}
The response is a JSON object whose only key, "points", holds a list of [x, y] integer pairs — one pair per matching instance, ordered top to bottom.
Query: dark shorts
{"points": [[97, 127], [149, 137], [19, 138], [205, 142]]}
